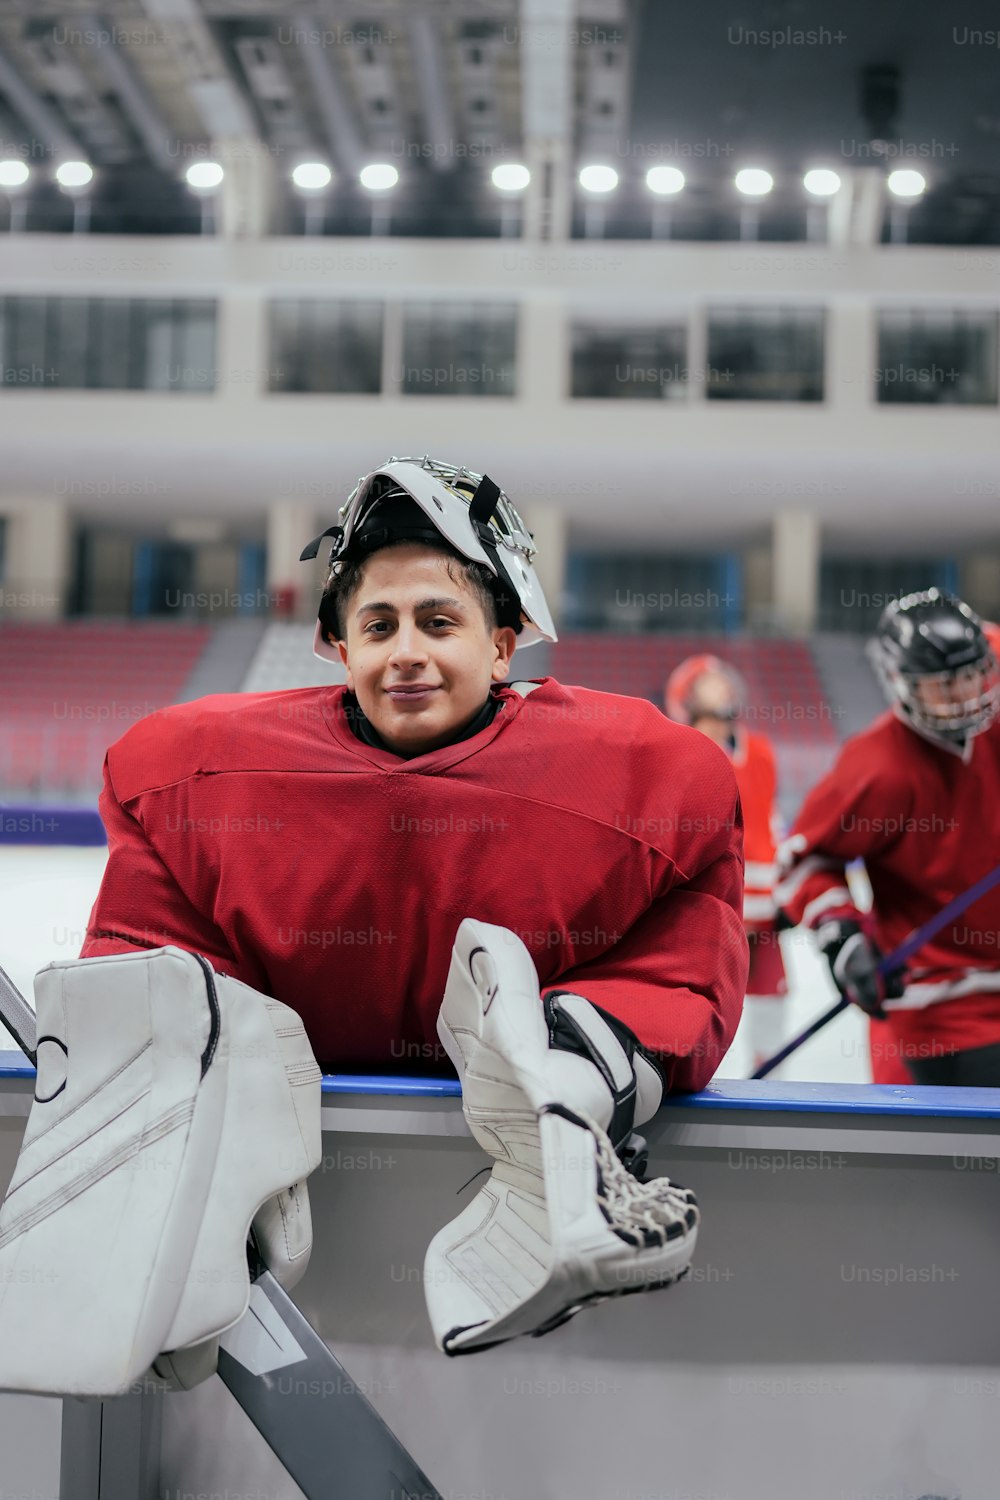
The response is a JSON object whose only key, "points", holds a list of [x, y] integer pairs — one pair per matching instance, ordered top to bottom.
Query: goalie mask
{"points": [[422, 499], [937, 667], [705, 686]]}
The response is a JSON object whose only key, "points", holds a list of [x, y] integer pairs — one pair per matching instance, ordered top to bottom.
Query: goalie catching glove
{"points": [[854, 963], [552, 1093]]}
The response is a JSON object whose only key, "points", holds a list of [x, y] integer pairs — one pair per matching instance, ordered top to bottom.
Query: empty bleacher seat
{"points": [[70, 689]]}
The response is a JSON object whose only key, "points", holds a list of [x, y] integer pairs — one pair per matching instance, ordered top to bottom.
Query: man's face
{"points": [[419, 653], [946, 696], [712, 709]]}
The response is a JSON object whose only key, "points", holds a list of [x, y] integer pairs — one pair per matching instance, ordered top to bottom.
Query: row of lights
{"points": [[71, 175], [203, 176], [509, 177], [752, 182]]}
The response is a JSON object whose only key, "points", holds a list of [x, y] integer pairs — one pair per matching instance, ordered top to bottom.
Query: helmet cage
{"points": [[486, 528], [952, 705]]}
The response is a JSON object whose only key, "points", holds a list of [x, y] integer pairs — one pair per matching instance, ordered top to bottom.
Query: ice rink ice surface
{"points": [[46, 896]]}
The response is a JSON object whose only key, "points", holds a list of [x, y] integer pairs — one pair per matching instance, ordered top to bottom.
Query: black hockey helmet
{"points": [[937, 666]]}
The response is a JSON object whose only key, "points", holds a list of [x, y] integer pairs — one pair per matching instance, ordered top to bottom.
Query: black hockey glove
{"points": [[854, 958]]}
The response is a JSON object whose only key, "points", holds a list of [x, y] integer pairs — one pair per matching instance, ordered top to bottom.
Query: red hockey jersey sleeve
{"points": [[855, 812], [142, 906], [678, 976]]}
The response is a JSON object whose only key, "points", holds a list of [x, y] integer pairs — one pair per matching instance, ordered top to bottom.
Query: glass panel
{"points": [[69, 324], [325, 346], [194, 349], [459, 349], [765, 354], [937, 356], [27, 361], [629, 361], [113, 366], [853, 591], [647, 592]]}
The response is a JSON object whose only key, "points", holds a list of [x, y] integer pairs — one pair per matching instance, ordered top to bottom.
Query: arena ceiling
{"points": [[140, 88]]}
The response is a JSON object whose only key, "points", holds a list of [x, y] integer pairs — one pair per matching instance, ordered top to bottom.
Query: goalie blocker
{"points": [[552, 1093]]}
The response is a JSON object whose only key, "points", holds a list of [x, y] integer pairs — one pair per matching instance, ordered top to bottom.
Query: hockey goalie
{"points": [[439, 864]]}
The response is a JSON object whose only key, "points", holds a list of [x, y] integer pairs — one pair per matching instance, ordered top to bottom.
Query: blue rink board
{"points": [[51, 827], [727, 1094]]}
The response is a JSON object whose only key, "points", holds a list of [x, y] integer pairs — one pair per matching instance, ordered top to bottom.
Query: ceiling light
{"points": [[13, 173], [74, 174], [204, 176], [312, 176], [379, 176], [510, 177], [598, 179], [664, 180], [754, 182], [821, 182], [906, 183]]}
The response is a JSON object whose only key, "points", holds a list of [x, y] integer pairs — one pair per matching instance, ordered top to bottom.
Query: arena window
{"points": [[108, 343], [325, 346], [458, 349], [765, 354], [942, 356], [625, 361], [853, 591]]}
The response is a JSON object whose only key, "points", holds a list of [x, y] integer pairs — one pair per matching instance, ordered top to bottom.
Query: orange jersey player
{"points": [[710, 695]]}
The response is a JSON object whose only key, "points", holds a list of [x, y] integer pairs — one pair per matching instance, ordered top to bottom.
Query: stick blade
{"points": [[307, 1409]]}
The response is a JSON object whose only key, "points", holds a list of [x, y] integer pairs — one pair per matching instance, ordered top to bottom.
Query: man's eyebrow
{"points": [[384, 607]]}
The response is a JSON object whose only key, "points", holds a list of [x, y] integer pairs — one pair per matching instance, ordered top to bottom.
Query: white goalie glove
{"points": [[552, 1094]]}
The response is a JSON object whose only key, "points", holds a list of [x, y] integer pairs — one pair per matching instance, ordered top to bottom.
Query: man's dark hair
{"points": [[344, 580]]}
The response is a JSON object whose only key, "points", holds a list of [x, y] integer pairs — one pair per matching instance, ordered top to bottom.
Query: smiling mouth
{"points": [[410, 694]]}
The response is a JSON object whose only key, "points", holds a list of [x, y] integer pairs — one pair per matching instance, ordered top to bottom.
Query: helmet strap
{"points": [[481, 509]]}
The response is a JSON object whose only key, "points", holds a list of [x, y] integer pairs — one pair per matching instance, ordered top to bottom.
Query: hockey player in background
{"points": [[710, 695], [917, 797], [562, 866]]}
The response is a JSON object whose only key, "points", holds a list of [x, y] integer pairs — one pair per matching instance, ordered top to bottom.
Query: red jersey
{"points": [[757, 780], [927, 825], [258, 830]]}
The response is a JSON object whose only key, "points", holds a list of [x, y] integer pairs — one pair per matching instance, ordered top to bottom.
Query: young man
{"points": [[710, 695], [916, 797], [430, 830]]}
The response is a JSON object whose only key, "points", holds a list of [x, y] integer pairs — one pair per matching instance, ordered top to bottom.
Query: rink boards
{"points": [[838, 1336]]}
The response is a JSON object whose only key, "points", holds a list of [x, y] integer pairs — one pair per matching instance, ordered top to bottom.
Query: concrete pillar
{"points": [[244, 203], [548, 206], [242, 353], [542, 354], [851, 356], [550, 529], [795, 569], [35, 581], [979, 583], [292, 585], [758, 588]]}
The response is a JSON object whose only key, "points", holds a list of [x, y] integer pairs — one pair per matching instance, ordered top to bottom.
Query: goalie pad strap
{"points": [[577, 1025]]}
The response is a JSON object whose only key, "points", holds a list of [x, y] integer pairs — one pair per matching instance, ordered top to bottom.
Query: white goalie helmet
{"points": [[465, 510]]}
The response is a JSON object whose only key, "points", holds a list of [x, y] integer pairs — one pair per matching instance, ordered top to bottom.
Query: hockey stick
{"points": [[887, 965], [18, 1016], [284, 1376], [334, 1449]]}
